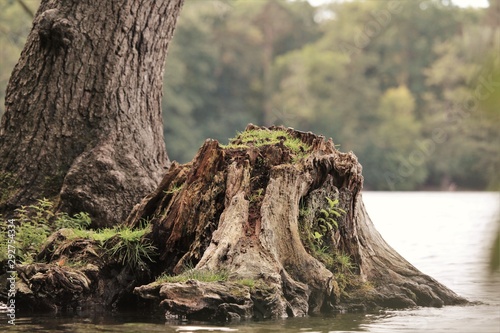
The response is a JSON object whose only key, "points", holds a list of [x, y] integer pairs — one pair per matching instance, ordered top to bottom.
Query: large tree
{"points": [[83, 121]]}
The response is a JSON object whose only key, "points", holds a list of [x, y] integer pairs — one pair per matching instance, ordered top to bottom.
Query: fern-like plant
{"points": [[78, 221], [327, 221]]}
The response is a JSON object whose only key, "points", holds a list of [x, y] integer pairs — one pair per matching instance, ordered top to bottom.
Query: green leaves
{"points": [[78, 221], [327, 221], [35, 223], [323, 225], [33, 229]]}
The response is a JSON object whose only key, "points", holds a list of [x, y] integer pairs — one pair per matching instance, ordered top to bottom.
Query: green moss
{"points": [[263, 137], [103, 235], [75, 264], [361, 290]]}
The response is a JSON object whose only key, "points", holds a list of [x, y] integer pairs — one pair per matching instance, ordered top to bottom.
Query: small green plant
{"points": [[174, 189], [256, 196], [303, 212], [41, 213], [78, 221], [327, 221], [36, 222], [322, 226], [33, 229], [317, 236], [30, 239], [122, 244], [130, 248], [343, 263], [343, 272], [203, 275], [246, 282]]}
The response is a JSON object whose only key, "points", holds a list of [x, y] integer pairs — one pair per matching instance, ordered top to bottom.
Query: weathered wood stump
{"points": [[282, 208], [277, 214]]}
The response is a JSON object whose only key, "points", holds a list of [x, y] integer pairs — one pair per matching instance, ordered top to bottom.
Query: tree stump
{"points": [[283, 209], [270, 225]]}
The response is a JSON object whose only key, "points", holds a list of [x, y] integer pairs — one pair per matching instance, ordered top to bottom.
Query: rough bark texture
{"points": [[83, 121], [254, 210], [249, 211]]}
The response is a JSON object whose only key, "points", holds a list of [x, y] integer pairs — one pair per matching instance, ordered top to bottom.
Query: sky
{"points": [[461, 3], [473, 3]]}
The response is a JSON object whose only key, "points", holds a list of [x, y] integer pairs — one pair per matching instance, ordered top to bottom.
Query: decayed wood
{"points": [[83, 118], [204, 214]]}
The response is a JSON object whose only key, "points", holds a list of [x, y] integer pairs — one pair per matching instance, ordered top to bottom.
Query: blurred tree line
{"points": [[412, 87]]}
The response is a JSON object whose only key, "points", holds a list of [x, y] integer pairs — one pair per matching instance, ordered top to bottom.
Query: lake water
{"points": [[445, 235]]}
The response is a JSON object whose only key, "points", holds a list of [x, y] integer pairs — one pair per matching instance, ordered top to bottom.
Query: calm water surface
{"points": [[445, 235]]}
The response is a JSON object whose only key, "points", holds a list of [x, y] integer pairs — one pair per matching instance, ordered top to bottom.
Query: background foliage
{"points": [[412, 87]]}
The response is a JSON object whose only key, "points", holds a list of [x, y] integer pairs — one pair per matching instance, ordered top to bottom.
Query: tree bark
{"points": [[83, 119]]}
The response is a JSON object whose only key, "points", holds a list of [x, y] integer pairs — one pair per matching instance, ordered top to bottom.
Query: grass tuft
{"points": [[263, 137], [124, 245], [203, 275]]}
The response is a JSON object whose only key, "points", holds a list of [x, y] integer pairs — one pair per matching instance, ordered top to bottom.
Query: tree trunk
{"points": [[83, 121], [258, 210]]}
